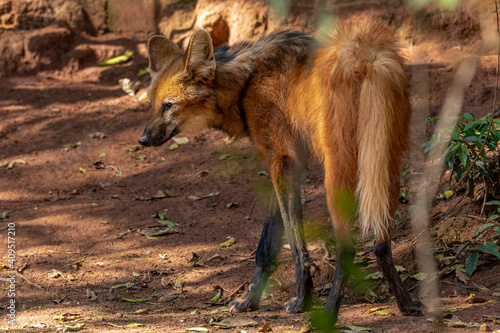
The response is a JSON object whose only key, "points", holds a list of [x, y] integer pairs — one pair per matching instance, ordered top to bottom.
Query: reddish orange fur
{"points": [[344, 105]]}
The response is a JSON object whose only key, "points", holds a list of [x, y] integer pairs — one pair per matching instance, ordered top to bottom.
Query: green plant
{"points": [[464, 147], [480, 246]]}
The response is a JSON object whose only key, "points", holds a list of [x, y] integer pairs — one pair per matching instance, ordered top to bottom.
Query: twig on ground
{"points": [[30, 283], [238, 289]]}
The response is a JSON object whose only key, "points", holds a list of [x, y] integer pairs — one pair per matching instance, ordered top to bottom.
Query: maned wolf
{"points": [[343, 103]]}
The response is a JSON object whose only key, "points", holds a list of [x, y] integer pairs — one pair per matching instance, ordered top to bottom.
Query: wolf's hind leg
{"points": [[265, 260], [403, 299]]}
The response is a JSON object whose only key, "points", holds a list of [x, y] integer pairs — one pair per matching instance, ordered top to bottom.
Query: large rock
{"points": [[36, 14], [95, 14], [132, 16], [227, 21]]}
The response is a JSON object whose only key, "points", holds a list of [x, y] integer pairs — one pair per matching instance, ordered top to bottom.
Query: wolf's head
{"points": [[181, 92]]}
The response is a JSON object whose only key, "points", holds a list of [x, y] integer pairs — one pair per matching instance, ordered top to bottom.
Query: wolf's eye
{"points": [[167, 105]]}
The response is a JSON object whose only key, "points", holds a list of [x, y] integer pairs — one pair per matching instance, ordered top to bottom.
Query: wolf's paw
{"points": [[242, 305], [293, 306], [414, 309]]}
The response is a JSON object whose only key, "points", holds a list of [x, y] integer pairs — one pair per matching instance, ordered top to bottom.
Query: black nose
{"points": [[144, 141]]}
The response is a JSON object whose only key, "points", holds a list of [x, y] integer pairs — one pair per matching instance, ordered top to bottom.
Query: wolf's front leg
{"points": [[286, 181], [265, 260]]}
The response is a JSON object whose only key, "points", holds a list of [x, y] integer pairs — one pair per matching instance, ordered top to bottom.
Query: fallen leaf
{"points": [[117, 60], [143, 71], [97, 135], [181, 140], [174, 146], [224, 157], [16, 162], [82, 170], [448, 193], [196, 197], [4, 215], [167, 222], [160, 231], [227, 243], [136, 274], [374, 276], [420, 276], [178, 284], [121, 286], [91, 295], [167, 298], [215, 298], [472, 298], [135, 300], [376, 309], [383, 313], [68, 317], [235, 322], [135, 325], [71, 328], [265, 328], [197, 329]]}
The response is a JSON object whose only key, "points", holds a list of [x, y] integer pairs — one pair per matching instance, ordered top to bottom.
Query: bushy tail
{"points": [[367, 61]]}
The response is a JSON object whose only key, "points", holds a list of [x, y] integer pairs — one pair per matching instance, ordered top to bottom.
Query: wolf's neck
{"points": [[230, 84]]}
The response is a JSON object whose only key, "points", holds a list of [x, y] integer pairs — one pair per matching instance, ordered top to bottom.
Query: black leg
{"points": [[287, 186], [265, 260], [343, 266], [403, 298]]}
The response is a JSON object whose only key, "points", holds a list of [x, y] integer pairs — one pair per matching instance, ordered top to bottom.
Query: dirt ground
{"points": [[82, 189]]}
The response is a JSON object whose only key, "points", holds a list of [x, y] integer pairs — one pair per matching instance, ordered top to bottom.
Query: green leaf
{"points": [[117, 60], [143, 71], [181, 140], [79, 143], [174, 146], [102, 155], [224, 157], [82, 170], [493, 202], [4, 215], [161, 216], [492, 217], [167, 222], [481, 229], [497, 230], [227, 243], [462, 247], [490, 248], [471, 263], [420, 276], [215, 298], [135, 300], [452, 310], [383, 313]]}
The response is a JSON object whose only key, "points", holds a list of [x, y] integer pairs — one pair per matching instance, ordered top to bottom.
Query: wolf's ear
{"points": [[161, 50], [199, 56]]}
